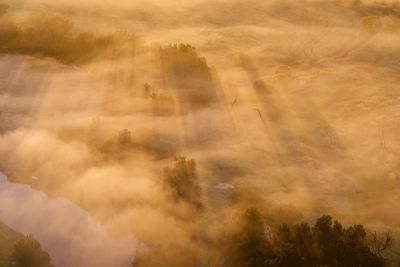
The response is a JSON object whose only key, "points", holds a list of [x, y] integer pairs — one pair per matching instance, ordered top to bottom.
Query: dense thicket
{"points": [[51, 36], [189, 74], [181, 181], [326, 243], [17, 250], [28, 253]]}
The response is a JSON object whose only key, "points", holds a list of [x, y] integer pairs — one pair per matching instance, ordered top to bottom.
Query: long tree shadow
{"points": [[188, 77], [273, 114], [296, 124], [312, 127], [318, 133]]}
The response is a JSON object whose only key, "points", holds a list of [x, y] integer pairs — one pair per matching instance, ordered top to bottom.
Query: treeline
{"points": [[51, 36], [250, 241], [326, 243], [255, 244]]}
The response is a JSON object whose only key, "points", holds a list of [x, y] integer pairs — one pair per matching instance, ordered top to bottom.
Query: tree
{"points": [[189, 75], [181, 181], [344, 246], [253, 248], [28, 253]]}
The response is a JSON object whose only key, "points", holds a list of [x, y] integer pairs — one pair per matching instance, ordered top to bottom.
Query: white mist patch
{"points": [[224, 186], [68, 233]]}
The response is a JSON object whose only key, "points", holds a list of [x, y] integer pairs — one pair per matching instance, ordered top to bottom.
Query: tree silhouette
{"points": [[52, 36], [181, 181], [326, 243], [28, 253]]}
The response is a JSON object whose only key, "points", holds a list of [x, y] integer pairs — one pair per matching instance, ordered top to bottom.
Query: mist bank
{"points": [[173, 133], [69, 234]]}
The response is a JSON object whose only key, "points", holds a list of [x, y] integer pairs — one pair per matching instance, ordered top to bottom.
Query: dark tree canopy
{"points": [[52, 36], [189, 75], [181, 181], [326, 243], [28, 253]]}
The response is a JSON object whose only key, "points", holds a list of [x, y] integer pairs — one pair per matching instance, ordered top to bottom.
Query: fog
{"points": [[288, 106], [81, 241]]}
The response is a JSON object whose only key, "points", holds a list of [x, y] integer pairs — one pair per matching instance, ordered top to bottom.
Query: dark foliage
{"points": [[50, 36], [189, 74], [181, 181], [326, 243], [28, 253]]}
